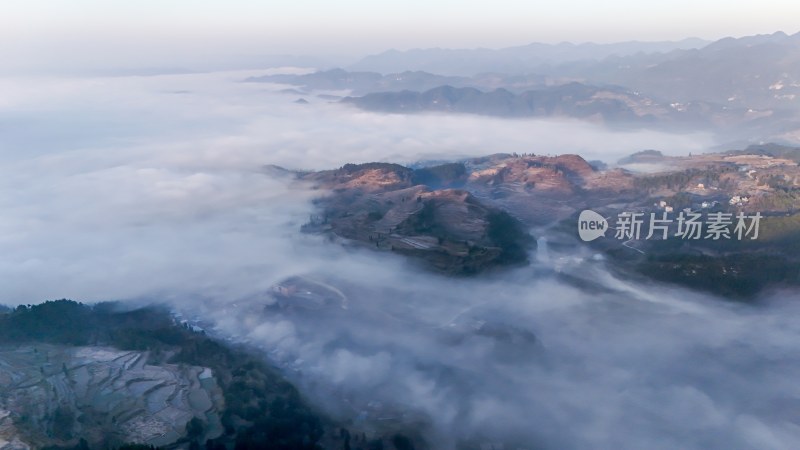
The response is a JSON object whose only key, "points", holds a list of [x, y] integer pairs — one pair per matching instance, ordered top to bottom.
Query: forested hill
{"points": [[261, 409]]}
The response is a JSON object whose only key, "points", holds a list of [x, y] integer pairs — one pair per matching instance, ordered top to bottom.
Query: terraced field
{"points": [[108, 396]]}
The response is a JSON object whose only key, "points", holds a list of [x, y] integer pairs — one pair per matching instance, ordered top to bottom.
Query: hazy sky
{"points": [[161, 32]]}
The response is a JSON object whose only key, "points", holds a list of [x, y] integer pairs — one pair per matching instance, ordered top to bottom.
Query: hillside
{"points": [[611, 105], [384, 207], [469, 216], [74, 376]]}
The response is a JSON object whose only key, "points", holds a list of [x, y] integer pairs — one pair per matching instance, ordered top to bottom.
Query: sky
{"points": [[37, 34]]}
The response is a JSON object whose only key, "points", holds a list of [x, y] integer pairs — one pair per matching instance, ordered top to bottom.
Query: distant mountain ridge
{"points": [[519, 59], [754, 72], [360, 82], [747, 87], [609, 104]]}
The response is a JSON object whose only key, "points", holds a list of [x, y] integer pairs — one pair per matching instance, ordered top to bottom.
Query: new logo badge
{"points": [[591, 225]]}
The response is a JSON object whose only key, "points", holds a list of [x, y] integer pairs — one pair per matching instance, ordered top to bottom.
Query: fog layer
{"points": [[132, 186], [155, 188]]}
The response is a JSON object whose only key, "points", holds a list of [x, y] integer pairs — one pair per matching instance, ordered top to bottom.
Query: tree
{"points": [[195, 428]]}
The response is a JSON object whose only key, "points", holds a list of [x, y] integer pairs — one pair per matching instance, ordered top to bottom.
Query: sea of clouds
{"points": [[158, 189]]}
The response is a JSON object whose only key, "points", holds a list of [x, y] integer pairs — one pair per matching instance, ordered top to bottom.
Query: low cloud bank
{"points": [[120, 187], [153, 188]]}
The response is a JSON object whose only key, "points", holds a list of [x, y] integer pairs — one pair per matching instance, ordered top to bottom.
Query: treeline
{"points": [[771, 149], [402, 171], [443, 175], [686, 178], [777, 182], [781, 201], [507, 233], [738, 276]]}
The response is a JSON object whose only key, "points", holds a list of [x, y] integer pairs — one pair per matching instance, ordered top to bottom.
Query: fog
{"points": [[125, 187], [157, 189], [616, 366]]}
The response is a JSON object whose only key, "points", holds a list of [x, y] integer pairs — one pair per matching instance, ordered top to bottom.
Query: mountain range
{"points": [[519, 59], [745, 88]]}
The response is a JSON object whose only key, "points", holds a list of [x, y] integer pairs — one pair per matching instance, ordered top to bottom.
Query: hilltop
{"points": [[469, 216]]}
